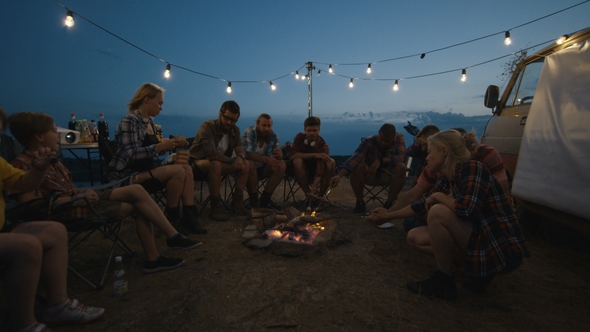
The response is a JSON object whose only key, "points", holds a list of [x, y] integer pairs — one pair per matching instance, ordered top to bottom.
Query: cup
{"points": [[181, 156]]}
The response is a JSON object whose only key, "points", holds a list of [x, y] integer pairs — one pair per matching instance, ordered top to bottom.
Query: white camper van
{"points": [[541, 127]]}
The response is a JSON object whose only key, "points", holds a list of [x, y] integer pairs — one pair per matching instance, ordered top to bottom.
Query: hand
{"points": [[180, 141], [277, 154], [43, 157], [324, 157], [238, 164], [374, 167], [334, 181], [92, 196], [433, 199], [378, 216]]}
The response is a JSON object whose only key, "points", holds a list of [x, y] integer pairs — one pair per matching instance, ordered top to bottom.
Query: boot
{"points": [[253, 200], [267, 203], [237, 204], [217, 212], [173, 216], [189, 220]]}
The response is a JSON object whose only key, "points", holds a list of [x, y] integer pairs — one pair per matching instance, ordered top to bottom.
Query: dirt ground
{"points": [[355, 284]]}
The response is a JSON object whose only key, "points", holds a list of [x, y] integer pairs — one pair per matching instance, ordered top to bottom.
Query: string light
{"points": [[70, 19], [562, 39], [507, 40], [422, 55], [330, 69], [369, 69], [167, 71], [319, 72], [297, 74], [463, 75], [350, 85], [272, 86], [395, 86], [228, 87]]}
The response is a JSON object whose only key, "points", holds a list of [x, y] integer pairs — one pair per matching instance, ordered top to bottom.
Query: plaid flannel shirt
{"points": [[129, 135], [250, 141], [320, 147], [369, 150], [496, 236]]}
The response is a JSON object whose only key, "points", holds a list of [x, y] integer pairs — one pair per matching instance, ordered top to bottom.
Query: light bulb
{"points": [[70, 19], [561, 39], [507, 40], [422, 55], [330, 69], [369, 69], [167, 71], [319, 72], [297, 74], [463, 75], [350, 85], [272, 86], [395, 86], [228, 87]]}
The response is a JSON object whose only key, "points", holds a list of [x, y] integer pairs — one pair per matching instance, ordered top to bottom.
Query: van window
{"points": [[526, 84]]}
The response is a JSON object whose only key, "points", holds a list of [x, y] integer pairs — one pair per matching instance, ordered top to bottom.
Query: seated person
{"points": [[37, 132], [419, 149], [138, 150], [217, 150], [263, 152], [485, 154], [310, 156], [379, 159], [467, 213], [33, 253]]}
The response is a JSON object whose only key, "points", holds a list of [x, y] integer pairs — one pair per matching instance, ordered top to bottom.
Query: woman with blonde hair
{"points": [[138, 151], [467, 213]]}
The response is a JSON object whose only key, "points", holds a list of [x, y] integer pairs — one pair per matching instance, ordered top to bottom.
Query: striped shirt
{"points": [[496, 237]]}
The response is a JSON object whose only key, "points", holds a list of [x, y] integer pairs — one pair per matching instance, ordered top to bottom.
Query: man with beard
{"points": [[217, 149], [264, 154], [379, 159]]}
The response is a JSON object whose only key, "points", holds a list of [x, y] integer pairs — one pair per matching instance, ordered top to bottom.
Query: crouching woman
{"points": [[467, 213]]}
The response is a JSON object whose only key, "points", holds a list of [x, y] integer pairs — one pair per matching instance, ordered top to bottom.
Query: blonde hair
{"points": [[147, 90], [452, 140], [470, 140]]}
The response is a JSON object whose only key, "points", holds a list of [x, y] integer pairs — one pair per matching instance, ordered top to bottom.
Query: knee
{"points": [[282, 166], [215, 167], [398, 170], [438, 214]]}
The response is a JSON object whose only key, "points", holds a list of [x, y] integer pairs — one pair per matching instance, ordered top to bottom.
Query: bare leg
{"points": [[213, 170], [328, 173], [301, 174], [241, 176], [274, 176], [173, 177], [357, 181], [397, 182], [252, 184], [188, 191], [140, 202], [447, 232], [419, 239]]}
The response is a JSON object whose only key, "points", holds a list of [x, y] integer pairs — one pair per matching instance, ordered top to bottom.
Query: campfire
{"points": [[290, 234]]}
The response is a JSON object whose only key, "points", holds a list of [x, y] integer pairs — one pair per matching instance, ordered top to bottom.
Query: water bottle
{"points": [[72, 123], [103, 127], [120, 283]]}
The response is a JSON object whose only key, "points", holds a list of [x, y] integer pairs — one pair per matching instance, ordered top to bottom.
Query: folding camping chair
{"points": [[379, 192], [80, 229]]}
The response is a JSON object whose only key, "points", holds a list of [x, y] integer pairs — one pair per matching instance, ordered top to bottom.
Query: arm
{"points": [[31, 179]]}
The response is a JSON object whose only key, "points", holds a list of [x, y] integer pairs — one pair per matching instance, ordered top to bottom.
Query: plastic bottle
{"points": [[72, 123], [78, 127], [103, 127], [93, 130], [85, 135], [120, 283]]}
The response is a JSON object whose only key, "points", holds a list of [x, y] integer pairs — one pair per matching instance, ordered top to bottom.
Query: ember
{"points": [[287, 231]]}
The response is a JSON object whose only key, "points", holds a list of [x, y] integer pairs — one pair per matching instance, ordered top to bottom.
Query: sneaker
{"points": [[360, 208], [181, 242], [162, 263], [439, 285], [73, 312], [36, 327]]}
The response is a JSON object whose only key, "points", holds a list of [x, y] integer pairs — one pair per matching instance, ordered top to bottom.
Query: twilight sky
{"points": [[49, 68]]}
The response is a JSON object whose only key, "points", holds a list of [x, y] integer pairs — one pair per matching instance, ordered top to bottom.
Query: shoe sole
{"points": [[187, 248], [163, 268], [67, 322]]}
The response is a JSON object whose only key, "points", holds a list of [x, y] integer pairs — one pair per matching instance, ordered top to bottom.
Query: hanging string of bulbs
{"points": [[69, 22]]}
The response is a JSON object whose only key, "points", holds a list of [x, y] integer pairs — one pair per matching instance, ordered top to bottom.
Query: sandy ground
{"points": [[356, 283]]}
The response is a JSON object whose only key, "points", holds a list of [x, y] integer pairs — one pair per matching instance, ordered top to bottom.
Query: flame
{"points": [[305, 233]]}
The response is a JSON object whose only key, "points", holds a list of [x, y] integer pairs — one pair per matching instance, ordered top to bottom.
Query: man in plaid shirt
{"points": [[379, 159]]}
